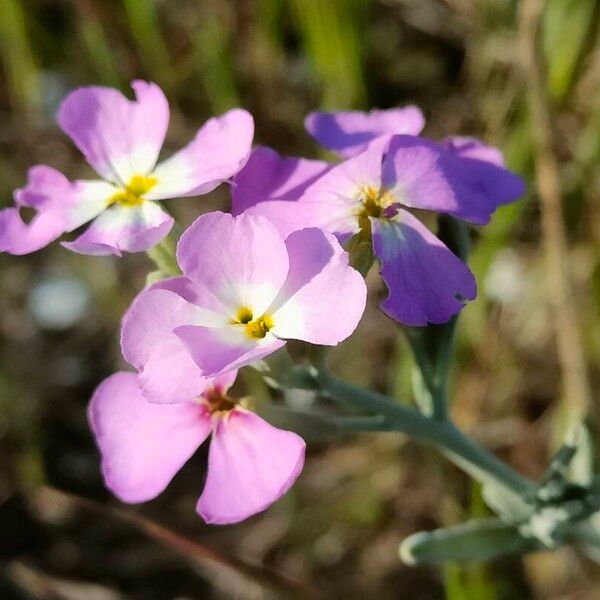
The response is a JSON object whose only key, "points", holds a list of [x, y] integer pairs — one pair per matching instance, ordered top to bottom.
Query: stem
{"points": [[460, 449]]}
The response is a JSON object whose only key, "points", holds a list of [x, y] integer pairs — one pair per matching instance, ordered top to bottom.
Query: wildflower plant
{"points": [[289, 264]]}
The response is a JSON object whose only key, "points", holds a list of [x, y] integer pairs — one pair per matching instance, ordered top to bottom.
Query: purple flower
{"points": [[349, 133], [121, 139], [370, 192], [244, 291], [143, 445]]}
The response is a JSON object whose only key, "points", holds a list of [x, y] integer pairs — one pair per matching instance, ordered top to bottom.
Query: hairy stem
{"points": [[467, 454]]}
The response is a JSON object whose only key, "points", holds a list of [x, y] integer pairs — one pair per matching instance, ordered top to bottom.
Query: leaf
{"points": [[476, 540]]}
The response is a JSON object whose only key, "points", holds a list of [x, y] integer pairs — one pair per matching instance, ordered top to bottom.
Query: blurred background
{"points": [[336, 534]]}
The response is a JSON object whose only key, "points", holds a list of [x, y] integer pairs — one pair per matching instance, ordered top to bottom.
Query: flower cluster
{"points": [[275, 269]]}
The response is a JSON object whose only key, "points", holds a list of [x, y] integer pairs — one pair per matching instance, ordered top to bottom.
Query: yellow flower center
{"points": [[133, 193], [373, 203], [255, 328]]}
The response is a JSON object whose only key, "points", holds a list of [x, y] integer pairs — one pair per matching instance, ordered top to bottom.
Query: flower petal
{"points": [[349, 133], [120, 138], [470, 147], [219, 150], [425, 175], [270, 176], [77, 202], [61, 206], [288, 217], [124, 229], [18, 237], [242, 260], [426, 282], [323, 297], [217, 350], [167, 371], [224, 381], [143, 445], [251, 464]]}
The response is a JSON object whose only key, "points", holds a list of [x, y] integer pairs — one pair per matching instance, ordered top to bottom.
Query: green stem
{"points": [[163, 256], [460, 449]]}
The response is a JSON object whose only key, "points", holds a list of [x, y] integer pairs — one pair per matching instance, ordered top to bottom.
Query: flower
{"points": [[349, 133], [121, 139], [369, 194], [245, 290], [251, 464]]}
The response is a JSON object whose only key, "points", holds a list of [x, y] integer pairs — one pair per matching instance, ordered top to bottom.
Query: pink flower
{"points": [[121, 139], [245, 290], [143, 445]]}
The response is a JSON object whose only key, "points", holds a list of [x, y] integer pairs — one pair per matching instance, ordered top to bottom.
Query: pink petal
{"points": [[349, 133], [120, 138], [219, 150], [270, 176], [76, 203], [60, 205], [288, 216], [124, 229], [18, 237], [242, 261], [426, 282], [323, 297], [216, 350], [167, 371], [225, 381], [143, 445], [250, 465]]}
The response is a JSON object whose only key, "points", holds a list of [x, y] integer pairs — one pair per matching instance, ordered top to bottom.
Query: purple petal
{"points": [[349, 133], [120, 138], [469, 147], [219, 150], [425, 175], [270, 176], [124, 229], [18, 237], [242, 261], [426, 282], [323, 297], [217, 350], [167, 371], [143, 445], [250, 465]]}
